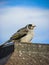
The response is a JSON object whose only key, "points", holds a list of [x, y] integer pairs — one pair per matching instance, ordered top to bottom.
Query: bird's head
{"points": [[31, 26]]}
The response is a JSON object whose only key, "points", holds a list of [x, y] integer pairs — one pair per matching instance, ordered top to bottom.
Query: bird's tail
{"points": [[6, 42]]}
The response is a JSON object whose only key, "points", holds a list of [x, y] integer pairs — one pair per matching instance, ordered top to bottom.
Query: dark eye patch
{"points": [[30, 24]]}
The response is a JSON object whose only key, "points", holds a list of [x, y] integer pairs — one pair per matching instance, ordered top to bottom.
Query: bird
{"points": [[24, 34]]}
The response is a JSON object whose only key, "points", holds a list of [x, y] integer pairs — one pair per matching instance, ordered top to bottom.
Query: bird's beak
{"points": [[34, 26]]}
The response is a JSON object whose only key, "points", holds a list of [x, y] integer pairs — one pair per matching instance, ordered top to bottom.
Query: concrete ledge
{"points": [[29, 54]]}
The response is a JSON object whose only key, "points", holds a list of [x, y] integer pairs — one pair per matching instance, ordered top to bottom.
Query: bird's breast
{"points": [[27, 38]]}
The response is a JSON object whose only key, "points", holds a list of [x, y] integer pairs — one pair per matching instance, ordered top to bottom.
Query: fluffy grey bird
{"points": [[24, 34]]}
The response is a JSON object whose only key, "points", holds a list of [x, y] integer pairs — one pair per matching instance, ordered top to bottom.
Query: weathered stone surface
{"points": [[29, 54]]}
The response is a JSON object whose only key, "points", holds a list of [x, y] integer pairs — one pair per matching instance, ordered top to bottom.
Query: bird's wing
{"points": [[19, 34]]}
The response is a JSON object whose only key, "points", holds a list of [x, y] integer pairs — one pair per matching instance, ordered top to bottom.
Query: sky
{"points": [[15, 14]]}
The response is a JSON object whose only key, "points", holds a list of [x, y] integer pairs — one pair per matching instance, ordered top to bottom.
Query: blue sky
{"points": [[39, 3], [17, 13]]}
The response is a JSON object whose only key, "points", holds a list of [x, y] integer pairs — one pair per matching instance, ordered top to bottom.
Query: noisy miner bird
{"points": [[24, 34]]}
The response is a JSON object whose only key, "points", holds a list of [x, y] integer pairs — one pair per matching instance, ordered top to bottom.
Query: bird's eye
{"points": [[30, 24]]}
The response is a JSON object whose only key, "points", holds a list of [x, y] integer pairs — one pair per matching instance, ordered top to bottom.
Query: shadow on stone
{"points": [[6, 50]]}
